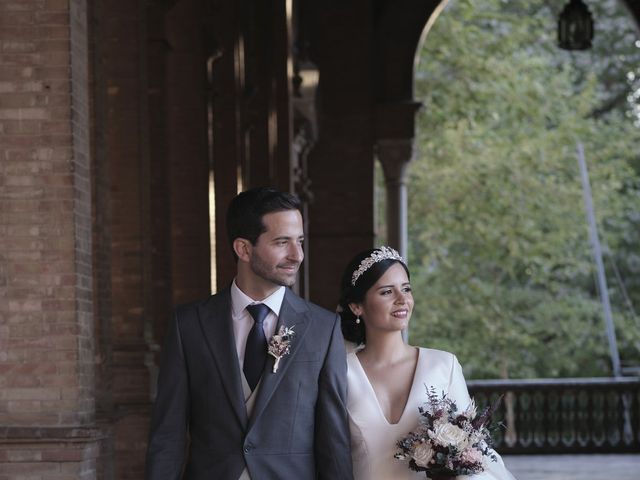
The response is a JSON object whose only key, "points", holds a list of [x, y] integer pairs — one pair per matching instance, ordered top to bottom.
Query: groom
{"points": [[222, 410]]}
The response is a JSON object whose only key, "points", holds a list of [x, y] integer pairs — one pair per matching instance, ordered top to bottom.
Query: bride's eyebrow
{"points": [[391, 286]]}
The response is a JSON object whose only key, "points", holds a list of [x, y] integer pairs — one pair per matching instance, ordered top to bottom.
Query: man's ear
{"points": [[242, 248], [356, 309]]}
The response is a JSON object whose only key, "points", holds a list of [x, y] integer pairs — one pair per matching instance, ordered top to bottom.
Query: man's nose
{"points": [[296, 252]]}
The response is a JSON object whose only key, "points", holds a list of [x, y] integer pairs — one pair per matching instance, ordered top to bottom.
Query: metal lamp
{"points": [[575, 26]]}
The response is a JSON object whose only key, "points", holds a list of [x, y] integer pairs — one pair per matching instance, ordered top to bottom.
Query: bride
{"points": [[387, 377]]}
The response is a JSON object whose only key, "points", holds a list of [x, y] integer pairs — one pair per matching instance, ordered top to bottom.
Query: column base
{"points": [[55, 452]]}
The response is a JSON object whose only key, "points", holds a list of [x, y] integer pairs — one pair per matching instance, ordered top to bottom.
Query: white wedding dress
{"points": [[373, 438]]}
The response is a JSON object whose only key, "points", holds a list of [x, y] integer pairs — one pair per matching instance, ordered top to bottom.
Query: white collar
{"points": [[240, 300]]}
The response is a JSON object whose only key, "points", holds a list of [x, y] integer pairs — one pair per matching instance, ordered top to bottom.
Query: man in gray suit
{"points": [[225, 408]]}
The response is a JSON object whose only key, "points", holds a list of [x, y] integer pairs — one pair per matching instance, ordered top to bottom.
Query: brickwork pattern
{"points": [[120, 94], [129, 108], [80, 122], [188, 155], [103, 207], [46, 303], [43, 379], [50, 461]]}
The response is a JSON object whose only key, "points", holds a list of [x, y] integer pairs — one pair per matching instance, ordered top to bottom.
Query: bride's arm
{"points": [[457, 385], [458, 392]]}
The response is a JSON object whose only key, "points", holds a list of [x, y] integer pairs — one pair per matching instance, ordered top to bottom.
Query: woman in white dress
{"points": [[387, 378]]}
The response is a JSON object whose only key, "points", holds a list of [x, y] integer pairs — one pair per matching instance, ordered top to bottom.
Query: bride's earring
{"points": [[358, 319]]}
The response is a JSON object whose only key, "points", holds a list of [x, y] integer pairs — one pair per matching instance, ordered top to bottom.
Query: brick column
{"points": [[130, 149], [188, 153], [341, 164], [46, 321]]}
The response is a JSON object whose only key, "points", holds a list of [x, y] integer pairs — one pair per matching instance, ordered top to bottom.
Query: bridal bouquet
{"points": [[447, 442]]}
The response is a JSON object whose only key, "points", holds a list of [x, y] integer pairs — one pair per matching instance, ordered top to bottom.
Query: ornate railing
{"points": [[567, 415]]}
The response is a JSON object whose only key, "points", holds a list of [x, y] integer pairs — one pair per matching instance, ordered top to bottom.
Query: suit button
{"points": [[247, 448]]}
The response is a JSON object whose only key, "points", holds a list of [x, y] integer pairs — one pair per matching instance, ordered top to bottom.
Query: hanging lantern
{"points": [[575, 26]]}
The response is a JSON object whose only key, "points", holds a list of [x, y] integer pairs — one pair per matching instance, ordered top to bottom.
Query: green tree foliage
{"points": [[501, 263]]}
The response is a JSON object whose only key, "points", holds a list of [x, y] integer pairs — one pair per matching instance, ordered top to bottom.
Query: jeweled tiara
{"points": [[382, 253]]}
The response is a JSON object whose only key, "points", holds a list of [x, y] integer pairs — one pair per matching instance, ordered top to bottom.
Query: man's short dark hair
{"points": [[245, 212]]}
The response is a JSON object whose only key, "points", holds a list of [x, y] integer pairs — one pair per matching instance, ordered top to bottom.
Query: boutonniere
{"points": [[279, 344]]}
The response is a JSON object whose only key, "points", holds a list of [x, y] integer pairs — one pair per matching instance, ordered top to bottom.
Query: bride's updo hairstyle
{"points": [[362, 272]]}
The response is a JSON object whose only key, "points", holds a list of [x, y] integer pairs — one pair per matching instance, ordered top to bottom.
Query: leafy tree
{"points": [[499, 250]]}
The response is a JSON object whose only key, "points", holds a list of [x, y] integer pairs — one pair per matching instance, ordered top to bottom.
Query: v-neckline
{"points": [[375, 397]]}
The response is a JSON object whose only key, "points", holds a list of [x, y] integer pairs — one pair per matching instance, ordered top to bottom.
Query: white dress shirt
{"points": [[243, 321], [242, 324]]}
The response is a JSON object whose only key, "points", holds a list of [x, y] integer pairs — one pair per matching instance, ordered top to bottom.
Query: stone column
{"points": [[395, 126], [395, 155]]}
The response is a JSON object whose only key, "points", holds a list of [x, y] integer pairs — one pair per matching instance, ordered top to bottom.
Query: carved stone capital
{"points": [[395, 154]]}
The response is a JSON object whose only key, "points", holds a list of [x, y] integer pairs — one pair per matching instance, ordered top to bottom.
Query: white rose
{"points": [[446, 434], [422, 454]]}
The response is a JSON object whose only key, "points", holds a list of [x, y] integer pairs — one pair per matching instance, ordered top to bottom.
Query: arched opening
{"points": [[497, 216]]}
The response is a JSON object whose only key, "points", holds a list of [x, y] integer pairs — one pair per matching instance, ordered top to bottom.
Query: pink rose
{"points": [[471, 455]]}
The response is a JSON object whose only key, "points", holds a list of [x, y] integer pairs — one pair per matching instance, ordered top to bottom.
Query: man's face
{"points": [[277, 254]]}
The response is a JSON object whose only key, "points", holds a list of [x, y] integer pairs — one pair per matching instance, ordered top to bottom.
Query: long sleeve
{"points": [[458, 391], [168, 432], [332, 443], [494, 471]]}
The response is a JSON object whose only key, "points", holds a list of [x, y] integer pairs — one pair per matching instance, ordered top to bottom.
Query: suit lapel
{"points": [[293, 313], [216, 323]]}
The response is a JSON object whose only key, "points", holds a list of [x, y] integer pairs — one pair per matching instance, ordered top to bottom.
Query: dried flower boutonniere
{"points": [[279, 344]]}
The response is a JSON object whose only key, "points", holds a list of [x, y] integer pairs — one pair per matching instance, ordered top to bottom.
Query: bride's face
{"points": [[388, 303]]}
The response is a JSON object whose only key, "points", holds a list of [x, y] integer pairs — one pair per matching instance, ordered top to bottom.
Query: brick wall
{"points": [[80, 122], [345, 145], [187, 150], [132, 201], [124, 205], [103, 207], [41, 287], [46, 323], [50, 461]]}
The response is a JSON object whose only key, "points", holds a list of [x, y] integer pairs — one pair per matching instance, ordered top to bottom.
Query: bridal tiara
{"points": [[382, 253]]}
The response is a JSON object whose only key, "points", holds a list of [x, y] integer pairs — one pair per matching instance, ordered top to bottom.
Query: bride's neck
{"points": [[385, 348]]}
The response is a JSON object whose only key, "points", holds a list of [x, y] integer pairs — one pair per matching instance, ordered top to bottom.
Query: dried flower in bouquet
{"points": [[448, 442]]}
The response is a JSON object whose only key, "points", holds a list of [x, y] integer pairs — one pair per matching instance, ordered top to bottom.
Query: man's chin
{"points": [[287, 279], [291, 279], [284, 281], [289, 282]]}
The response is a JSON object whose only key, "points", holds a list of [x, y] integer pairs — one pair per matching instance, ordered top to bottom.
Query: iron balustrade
{"points": [[565, 415]]}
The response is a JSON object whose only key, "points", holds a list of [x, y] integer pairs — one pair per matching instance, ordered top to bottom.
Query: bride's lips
{"points": [[400, 313]]}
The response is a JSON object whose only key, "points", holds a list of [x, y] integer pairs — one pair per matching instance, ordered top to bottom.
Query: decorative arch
{"points": [[400, 28]]}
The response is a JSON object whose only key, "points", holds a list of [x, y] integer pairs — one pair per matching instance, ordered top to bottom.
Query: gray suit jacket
{"points": [[298, 429]]}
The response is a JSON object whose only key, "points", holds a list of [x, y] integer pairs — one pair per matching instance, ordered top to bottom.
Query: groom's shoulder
{"points": [[190, 309], [316, 311], [320, 312]]}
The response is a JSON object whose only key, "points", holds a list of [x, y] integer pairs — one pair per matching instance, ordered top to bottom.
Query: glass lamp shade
{"points": [[575, 27]]}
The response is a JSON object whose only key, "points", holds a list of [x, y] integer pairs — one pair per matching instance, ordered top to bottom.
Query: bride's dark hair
{"points": [[352, 331]]}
